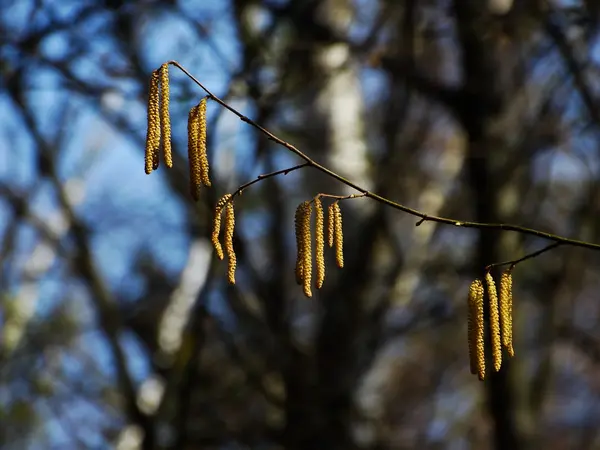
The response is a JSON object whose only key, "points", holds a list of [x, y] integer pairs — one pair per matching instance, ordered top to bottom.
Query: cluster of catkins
{"points": [[159, 129], [159, 132], [159, 136], [335, 236], [500, 320]]}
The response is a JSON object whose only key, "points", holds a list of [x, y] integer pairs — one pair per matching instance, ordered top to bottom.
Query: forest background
{"points": [[117, 326]]}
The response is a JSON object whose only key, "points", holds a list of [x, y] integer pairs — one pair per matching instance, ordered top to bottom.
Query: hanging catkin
{"points": [[165, 118], [153, 132], [202, 154], [193, 155], [217, 225], [331, 225], [229, 227], [339, 237], [319, 242], [306, 248], [506, 311], [494, 321], [476, 328]]}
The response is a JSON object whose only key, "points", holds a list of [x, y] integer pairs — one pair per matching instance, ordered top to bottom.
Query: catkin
{"points": [[165, 119], [153, 132], [202, 155], [193, 156], [331, 224], [217, 225], [229, 227], [339, 237], [319, 242], [299, 245], [306, 248], [506, 311], [494, 321], [476, 330], [480, 334]]}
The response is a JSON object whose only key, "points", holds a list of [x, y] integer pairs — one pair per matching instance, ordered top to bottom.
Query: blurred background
{"points": [[117, 326]]}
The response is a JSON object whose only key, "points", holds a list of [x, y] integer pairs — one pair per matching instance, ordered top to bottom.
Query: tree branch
{"points": [[309, 162]]}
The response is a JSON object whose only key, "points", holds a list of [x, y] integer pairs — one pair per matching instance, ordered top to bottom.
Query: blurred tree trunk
{"points": [[484, 100]]}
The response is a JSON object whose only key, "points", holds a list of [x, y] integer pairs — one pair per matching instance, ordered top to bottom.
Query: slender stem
{"points": [[267, 175], [342, 197], [423, 216], [514, 262]]}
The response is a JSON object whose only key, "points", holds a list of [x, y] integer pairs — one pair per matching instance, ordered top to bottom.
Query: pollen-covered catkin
{"points": [[165, 119], [153, 132], [193, 156], [203, 157], [331, 224], [217, 225], [229, 227], [339, 237], [319, 242], [299, 244], [306, 248], [506, 311], [494, 321], [479, 325], [471, 336]]}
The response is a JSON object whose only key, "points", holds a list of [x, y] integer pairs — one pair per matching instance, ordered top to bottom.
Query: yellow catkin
{"points": [[165, 119], [153, 132], [193, 156], [203, 157], [331, 224], [217, 225], [229, 227], [339, 237], [319, 242], [299, 245], [306, 248], [506, 311], [494, 321], [472, 324], [479, 329]]}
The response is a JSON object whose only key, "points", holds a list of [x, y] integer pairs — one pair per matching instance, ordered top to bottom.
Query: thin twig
{"points": [[240, 190], [342, 197], [423, 216], [514, 262]]}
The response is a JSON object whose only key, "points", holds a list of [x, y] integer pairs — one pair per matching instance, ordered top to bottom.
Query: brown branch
{"points": [[241, 189], [423, 216], [514, 262]]}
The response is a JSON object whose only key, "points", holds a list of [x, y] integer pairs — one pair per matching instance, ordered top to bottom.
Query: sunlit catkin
{"points": [[165, 119], [153, 132], [193, 156], [203, 157], [330, 224], [217, 225], [229, 227], [339, 237], [319, 242], [299, 243], [306, 248], [506, 311], [471, 312], [494, 321], [476, 330], [480, 333]]}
